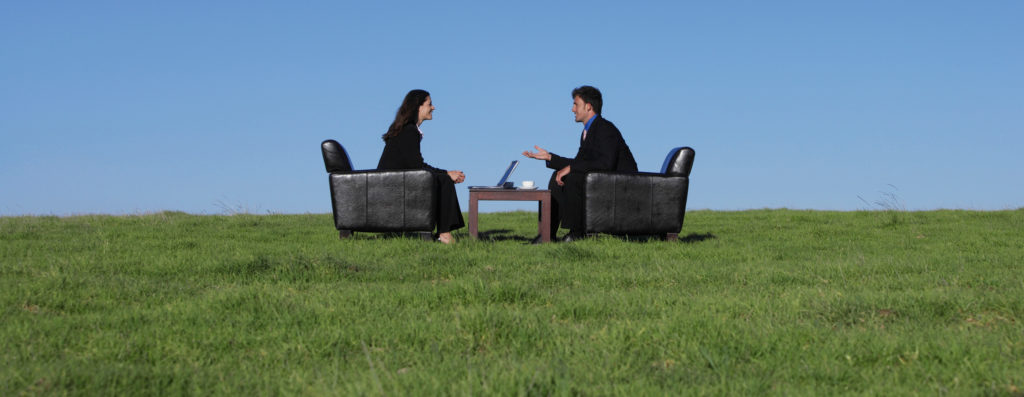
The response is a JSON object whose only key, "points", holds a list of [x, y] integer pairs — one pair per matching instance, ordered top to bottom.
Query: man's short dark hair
{"points": [[589, 95]]}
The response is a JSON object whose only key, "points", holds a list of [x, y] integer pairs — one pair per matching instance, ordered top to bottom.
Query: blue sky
{"points": [[209, 107]]}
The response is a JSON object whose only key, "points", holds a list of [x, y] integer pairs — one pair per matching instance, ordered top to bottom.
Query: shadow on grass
{"points": [[502, 235], [507, 235], [697, 237], [688, 239]]}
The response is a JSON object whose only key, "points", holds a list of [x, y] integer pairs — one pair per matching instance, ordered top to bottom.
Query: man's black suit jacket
{"points": [[603, 150], [402, 152]]}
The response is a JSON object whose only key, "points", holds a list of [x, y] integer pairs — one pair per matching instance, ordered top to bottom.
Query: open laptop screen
{"points": [[508, 172], [504, 178]]}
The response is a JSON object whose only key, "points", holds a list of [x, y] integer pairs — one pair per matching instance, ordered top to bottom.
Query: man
{"points": [[601, 149]]}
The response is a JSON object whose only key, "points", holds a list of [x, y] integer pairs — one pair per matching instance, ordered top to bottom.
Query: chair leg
{"points": [[344, 234], [426, 236], [671, 236]]}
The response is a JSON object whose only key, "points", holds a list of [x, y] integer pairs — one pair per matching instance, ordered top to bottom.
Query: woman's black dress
{"points": [[402, 152]]}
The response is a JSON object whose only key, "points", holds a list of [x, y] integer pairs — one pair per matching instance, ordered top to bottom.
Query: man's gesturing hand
{"points": [[541, 154]]}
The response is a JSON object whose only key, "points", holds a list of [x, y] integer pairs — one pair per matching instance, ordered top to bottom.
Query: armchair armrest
{"points": [[382, 201], [634, 203]]}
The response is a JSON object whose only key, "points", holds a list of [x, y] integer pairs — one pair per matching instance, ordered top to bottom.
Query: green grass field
{"points": [[776, 302]]}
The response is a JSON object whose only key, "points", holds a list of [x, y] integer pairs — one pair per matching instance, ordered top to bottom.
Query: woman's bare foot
{"points": [[445, 238]]}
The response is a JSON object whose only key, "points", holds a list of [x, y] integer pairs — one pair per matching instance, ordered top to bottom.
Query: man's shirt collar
{"points": [[589, 122]]}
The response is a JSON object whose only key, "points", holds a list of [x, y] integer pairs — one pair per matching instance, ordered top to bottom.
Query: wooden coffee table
{"points": [[542, 196]]}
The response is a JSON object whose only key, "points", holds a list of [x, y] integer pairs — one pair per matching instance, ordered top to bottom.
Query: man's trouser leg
{"points": [[557, 198], [572, 204]]}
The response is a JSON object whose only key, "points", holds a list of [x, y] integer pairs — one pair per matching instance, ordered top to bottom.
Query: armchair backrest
{"points": [[335, 157], [678, 162]]}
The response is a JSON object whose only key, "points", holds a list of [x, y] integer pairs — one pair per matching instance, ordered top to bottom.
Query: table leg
{"points": [[473, 204], [545, 219]]}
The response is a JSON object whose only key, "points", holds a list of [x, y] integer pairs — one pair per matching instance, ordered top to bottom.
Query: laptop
{"points": [[504, 178]]}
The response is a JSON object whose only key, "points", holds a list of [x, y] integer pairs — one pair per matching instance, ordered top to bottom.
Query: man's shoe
{"points": [[572, 237]]}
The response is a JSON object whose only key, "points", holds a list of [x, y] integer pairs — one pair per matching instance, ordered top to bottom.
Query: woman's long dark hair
{"points": [[408, 113]]}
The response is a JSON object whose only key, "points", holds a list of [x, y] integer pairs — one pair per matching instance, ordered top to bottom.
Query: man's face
{"points": [[583, 111]]}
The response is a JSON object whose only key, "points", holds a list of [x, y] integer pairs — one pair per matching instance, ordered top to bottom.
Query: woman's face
{"points": [[426, 110]]}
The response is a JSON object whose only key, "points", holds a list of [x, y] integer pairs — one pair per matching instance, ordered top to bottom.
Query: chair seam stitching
{"points": [[650, 213]]}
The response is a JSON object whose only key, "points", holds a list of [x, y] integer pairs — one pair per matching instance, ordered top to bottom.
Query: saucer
{"points": [[527, 188]]}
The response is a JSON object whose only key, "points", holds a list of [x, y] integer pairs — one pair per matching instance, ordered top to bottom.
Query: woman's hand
{"points": [[457, 176]]}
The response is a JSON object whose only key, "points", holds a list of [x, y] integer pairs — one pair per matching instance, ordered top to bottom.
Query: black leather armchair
{"points": [[378, 201], [642, 203]]}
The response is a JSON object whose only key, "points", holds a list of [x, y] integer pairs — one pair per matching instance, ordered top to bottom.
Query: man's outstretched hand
{"points": [[541, 154]]}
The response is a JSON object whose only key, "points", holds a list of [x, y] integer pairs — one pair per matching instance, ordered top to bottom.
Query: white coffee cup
{"points": [[528, 184]]}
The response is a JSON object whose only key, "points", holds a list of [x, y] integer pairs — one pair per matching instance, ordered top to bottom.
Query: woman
{"points": [[402, 151]]}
